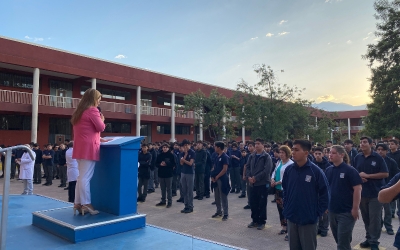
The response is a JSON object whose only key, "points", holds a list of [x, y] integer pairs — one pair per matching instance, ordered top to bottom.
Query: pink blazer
{"points": [[87, 135]]}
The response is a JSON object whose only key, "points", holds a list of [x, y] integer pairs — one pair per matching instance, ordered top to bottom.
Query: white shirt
{"points": [[289, 162], [72, 166]]}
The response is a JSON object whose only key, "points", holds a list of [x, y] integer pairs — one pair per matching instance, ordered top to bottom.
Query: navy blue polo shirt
{"points": [[220, 161], [372, 164], [187, 169], [341, 180]]}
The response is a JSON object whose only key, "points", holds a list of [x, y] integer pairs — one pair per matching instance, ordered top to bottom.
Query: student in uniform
{"points": [[251, 150], [350, 150], [382, 150], [186, 159], [242, 163], [165, 164], [145, 165], [200, 168], [235, 168], [373, 171], [220, 181], [345, 196], [306, 197]]}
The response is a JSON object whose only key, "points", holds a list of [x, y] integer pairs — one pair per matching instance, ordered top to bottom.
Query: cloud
{"points": [[331, 1], [282, 22], [283, 33], [369, 33], [269, 35], [254, 38], [365, 38], [35, 39], [349, 42], [329, 43], [120, 57], [325, 98]]}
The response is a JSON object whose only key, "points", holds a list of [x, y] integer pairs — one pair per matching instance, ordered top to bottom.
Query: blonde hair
{"points": [[89, 99], [286, 149], [342, 150]]}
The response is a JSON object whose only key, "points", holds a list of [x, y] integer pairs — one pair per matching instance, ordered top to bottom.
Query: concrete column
{"points": [[94, 83], [35, 104], [138, 109], [224, 121], [316, 121], [201, 128], [348, 128], [243, 134], [173, 139]]}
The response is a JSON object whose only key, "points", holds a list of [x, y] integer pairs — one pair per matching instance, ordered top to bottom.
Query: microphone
{"points": [[99, 109]]}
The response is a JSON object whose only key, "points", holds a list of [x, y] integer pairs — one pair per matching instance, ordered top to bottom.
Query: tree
{"points": [[384, 60], [271, 110], [214, 112], [322, 129]]}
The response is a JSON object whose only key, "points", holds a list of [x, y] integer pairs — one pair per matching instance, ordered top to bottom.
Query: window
{"points": [[16, 81], [60, 88], [110, 93], [167, 101], [15, 122], [118, 127], [164, 129], [182, 130]]}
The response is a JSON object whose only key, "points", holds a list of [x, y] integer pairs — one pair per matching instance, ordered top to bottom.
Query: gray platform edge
{"points": [[154, 226]]}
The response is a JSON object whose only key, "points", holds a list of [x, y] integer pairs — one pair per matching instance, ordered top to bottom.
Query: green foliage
{"points": [[384, 60], [209, 110], [271, 110], [320, 131]]}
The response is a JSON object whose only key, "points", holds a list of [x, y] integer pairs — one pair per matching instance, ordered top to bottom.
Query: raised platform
{"points": [[77, 228], [22, 235]]}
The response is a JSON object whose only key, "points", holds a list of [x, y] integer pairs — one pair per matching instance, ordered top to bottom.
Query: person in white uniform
{"points": [[26, 171], [72, 172]]}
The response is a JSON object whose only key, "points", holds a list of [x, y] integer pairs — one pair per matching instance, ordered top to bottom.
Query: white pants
{"points": [[28, 186], [82, 190]]}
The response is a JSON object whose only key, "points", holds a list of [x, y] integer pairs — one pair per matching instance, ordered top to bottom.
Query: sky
{"points": [[318, 44]]}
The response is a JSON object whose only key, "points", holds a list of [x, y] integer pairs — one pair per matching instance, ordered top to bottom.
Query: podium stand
{"points": [[114, 194]]}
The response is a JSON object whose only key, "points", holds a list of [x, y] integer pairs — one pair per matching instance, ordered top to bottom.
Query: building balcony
{"points": [[65, 105]]}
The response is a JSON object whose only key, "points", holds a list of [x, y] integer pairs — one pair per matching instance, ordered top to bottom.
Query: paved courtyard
{"points": [[200, 224]]}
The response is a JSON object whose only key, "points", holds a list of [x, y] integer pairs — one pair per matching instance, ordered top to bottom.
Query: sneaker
{"points": [[38, 183], [48, 184], [66, 188], [149, 191], [232, 191], [24, 193], [207, 196], [242, 196], [196, 197], [200, 198], [179, 200], [213, 203], [161, 204], [169, 205], [247, 207], [184, 210], [188, 210], [216, 215], [225, 218], [252, 224], [261, 227], [319, 232], [390, 232], [324, 234], [365, 244], [374, 247]]}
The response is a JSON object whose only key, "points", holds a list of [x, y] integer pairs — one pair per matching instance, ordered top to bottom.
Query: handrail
{"points": [[6, 188]]}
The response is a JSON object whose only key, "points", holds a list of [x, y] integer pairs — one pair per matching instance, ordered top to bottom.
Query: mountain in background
{"points": [[333, 106]]}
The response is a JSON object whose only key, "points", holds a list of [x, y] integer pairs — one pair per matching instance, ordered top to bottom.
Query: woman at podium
{"points": [[88, 123]]}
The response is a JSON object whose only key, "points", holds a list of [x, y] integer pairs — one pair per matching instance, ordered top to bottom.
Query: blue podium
{"points": [[114, 194]]}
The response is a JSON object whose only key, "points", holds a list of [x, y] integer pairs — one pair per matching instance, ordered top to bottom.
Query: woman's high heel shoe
{"points": [[77, 208], [88, 209]]}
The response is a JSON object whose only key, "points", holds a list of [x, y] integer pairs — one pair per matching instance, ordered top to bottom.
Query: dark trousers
{"points": [[13, 167], [55, 170], [37, 173], [49, 173], [63, 174], [235, 178], [207, 179], [175, 183], [199, 184], [243, 186], [142, 188], [166, 189], [71, 191], [249, 192], [258, 204], [279, 205], [371, 212], [387, 217], [323, 223], [342, 229], [302, 237]]}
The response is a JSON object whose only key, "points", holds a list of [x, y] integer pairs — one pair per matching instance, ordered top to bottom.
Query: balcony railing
{"points": [[71, 103]]}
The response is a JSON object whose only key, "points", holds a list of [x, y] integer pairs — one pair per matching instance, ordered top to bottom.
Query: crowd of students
{"points": [[315, 187]]}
